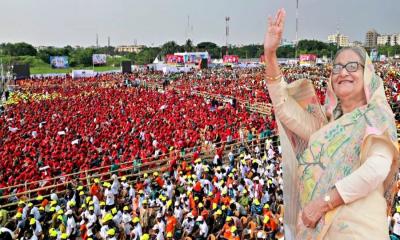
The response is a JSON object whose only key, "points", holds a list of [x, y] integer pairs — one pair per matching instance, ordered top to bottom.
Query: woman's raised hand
{"points": [[273, 36]]}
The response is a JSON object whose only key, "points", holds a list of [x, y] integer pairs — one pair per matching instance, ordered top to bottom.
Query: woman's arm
{"points": [[287, 110]]}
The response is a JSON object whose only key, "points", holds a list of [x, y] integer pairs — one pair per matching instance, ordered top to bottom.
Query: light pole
{"points": [[297, 27], [227, 32]]}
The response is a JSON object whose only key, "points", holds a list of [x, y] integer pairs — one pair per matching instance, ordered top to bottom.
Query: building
{"points": [[339, 39], [371, 39], [395, 39], [383, 40], [355, 44], [130, 48]]}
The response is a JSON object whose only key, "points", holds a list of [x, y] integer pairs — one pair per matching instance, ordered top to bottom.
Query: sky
{"points": [[154, 22]]}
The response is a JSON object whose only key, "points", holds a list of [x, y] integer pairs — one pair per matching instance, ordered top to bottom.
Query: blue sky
{"points": [[154, 22]]}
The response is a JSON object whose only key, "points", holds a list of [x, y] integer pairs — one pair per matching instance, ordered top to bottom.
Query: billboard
{"points": [[193, 57], [99, 59], [174, 59], [231, 59], [307, 59], [59, 61]]}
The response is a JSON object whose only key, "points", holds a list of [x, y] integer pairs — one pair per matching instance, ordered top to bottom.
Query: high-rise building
{"points": [[371, 38], [339, 39], [395, 39], [383, 40]]}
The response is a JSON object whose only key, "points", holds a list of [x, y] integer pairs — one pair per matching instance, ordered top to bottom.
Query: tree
{"points": [[170, 47], [188, 47], [18, 49]]}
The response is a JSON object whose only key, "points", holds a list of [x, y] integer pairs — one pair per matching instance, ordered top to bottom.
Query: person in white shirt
{"points": [[71, 224], [396, 224], [203, 227], [137, 229]]}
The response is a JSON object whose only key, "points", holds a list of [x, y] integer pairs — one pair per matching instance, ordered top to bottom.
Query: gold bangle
{"points": [[272, 79]]}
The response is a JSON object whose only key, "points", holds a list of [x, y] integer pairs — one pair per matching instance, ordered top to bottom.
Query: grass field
{"points": [[47, 69]]}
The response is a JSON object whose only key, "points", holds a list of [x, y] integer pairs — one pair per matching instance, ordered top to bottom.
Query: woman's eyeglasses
{"points": [[350, 67]]}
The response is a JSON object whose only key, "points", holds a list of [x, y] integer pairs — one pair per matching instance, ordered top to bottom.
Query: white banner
{"points": [[99, 59], [83, 73]]}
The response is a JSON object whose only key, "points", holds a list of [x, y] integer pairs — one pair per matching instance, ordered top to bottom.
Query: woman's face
{"points": [[347, 84]]}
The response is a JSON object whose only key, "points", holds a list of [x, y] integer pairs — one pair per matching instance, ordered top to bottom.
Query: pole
{"points": [[297, 27], [227, 32]]}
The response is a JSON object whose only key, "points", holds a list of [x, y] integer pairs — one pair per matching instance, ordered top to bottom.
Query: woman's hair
{"points": [[360, 51]]}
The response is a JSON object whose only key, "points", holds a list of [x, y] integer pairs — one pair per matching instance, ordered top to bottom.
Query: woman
{"points": [[340, 160]]}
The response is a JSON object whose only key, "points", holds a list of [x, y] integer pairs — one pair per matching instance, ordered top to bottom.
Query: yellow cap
{"points": [[198, 160], [155, 174], [145, 175], [123, 178], [96, 180], [79, 188], [81, 193], [39, 198], [88, 199], [144, 201], [21, 202], [256, 202], [91, 203], [102, 203], [30, 204], [83, 205], [201, 205], [266, 205], [214, 206], [223, 207], [41, 208], [91, 208], [126, 208], [52, 209], [398, 209], [60, 211], [114, 211], [219, 212], [18, 215], [59, 217], [107, 217], [228, 218], [266, 219], [135, 220], [32, 221], [233, 229], [52, 232], [111, 232], [169, 234], [64, 236], [145, 236]]}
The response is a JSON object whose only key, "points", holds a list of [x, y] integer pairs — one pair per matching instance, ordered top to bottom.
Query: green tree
{"points": [[18, 49]]}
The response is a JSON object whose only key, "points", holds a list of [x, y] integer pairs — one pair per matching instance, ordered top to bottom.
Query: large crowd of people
{"points": [[55, 126]]}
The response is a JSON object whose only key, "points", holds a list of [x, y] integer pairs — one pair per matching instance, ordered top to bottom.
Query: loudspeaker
{"points": [[204, 63], [126, 66], [21, 71]]}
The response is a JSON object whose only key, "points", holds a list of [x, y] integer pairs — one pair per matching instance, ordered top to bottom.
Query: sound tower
{"points": [[204, 63], [126, 66], [21, 71]]}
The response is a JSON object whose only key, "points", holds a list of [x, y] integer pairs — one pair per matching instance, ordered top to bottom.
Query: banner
{"points": [[99, 59], [174, 59], [231, 59], [59, 61], [83, 73]]}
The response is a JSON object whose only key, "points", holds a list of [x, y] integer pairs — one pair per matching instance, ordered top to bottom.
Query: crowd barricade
{"points": [[129, 172]]}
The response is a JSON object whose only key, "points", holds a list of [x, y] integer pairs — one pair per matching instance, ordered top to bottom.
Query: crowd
{"points": [[61, 126], [65, 128], [237, 199]]}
